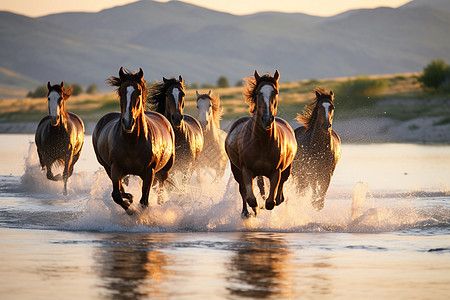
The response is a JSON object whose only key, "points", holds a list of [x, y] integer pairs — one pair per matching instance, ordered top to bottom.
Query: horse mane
{"points": [[128, 76], [252, 85], [60, 89], [157, 93], [217, 111], [308, 115]]}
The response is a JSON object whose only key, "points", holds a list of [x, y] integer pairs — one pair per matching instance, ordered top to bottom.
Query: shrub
{"points": [[435, 74], [222, 82], [77, 89], [92, 89], [40, 92], [359, 92]]}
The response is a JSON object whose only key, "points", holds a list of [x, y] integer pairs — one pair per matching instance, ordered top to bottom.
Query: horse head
{"points": [[132, 93], [57, 96], [266, 98], [174, 100], [205, 109], [325, 115]]}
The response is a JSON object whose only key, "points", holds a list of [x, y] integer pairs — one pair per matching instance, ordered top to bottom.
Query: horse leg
{"points": [[68, 165], [50, 175], [116, 177], [238, 177], [247, 178], [147, 181], [260, 182], [274, 183], [319, 192], [124, 194], [280, 194]]}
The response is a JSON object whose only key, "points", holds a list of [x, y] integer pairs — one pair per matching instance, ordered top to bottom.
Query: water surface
{"points": [[384, 233]]}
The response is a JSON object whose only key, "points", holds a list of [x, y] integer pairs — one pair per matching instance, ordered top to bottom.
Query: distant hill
{"points": [[172, 38]]}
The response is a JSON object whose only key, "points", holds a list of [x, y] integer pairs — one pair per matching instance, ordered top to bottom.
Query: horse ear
{"points": [[121, 73], [141, 73], [276, 76], [257, 77], [180, 78], [164, 79], [49, 85], [62, 85], [209, 93], [331, 93], [197, 94], [318, 94]]}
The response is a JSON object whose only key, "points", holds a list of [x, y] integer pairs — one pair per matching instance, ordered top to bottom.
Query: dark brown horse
{"points": [[167, 98], [60, 135], [133, 142], [261, 145], [319, 148], [213, 154]]}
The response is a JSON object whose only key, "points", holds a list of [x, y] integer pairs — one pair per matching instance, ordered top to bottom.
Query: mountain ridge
{"points": [[173, 38]]}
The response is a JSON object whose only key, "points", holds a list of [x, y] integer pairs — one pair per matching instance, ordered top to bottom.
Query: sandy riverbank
{"points": [[357, 130]]}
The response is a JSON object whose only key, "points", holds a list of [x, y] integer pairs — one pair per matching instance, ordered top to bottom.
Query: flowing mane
{"points": [[128, 76], [252, 86], [60, 89], [157, 93], [217, 111], [308, 115]]}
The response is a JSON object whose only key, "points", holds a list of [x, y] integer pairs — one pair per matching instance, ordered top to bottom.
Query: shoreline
{"points": [[356, 130]]}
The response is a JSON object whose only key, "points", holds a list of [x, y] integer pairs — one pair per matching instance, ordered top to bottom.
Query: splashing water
{"points": [[217, 206]]}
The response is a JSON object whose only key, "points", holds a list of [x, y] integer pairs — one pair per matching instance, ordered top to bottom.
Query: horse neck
{"points": [[140, 128], [259, 132], [319, 136]]}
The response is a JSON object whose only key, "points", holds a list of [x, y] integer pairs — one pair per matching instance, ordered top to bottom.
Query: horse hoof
{"points": [[270, 205], [255, 210], [130, 211], [245, 215]]}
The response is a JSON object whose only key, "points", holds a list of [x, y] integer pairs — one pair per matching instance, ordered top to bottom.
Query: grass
{"points": [[395, 96]]}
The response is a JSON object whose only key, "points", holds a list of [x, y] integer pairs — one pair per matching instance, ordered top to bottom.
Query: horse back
{"points": [[194, 134]]}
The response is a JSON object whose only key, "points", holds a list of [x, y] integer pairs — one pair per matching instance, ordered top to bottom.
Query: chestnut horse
{"points": [[167, 98], [60, 135], [133, 142], [261, 145], [319, 148], [213, 154]]}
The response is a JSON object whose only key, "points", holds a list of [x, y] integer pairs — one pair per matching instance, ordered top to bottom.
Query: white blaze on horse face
{"points": [[130, 90], [266, 91], [176, 94], [53, 104], [204, 105], [326, 106]]}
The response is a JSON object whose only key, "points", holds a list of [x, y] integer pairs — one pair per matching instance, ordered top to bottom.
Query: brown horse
{"points": [[167, 98], [60, 135], [133, 142], [261, 145], [319, 147], [213, 154]]}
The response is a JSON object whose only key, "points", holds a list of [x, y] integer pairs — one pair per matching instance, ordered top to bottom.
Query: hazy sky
{"points": [[35, 8]]}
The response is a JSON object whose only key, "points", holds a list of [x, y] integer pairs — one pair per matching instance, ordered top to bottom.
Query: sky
{"points": [[35, 8]]}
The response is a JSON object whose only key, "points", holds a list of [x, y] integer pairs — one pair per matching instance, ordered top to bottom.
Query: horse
{"points": [[167, 98], [59, 136], [134, 141], [261, 144], [319, 147], [213, 154]]}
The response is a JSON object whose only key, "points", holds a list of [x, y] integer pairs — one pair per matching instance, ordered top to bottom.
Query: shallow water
{"points": [[384, 233]]}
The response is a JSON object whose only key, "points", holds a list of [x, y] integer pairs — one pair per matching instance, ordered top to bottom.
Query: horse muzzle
{"points": [[176, 119], [54, 121], [267, 121], [128, 126], [326, 126]]}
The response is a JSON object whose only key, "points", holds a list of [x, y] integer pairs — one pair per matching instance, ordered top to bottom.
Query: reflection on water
{"points": [[132, 266], [260, 267]]}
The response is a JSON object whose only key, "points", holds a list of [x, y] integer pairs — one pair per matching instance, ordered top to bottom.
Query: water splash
{"points": [[215, 207]]}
